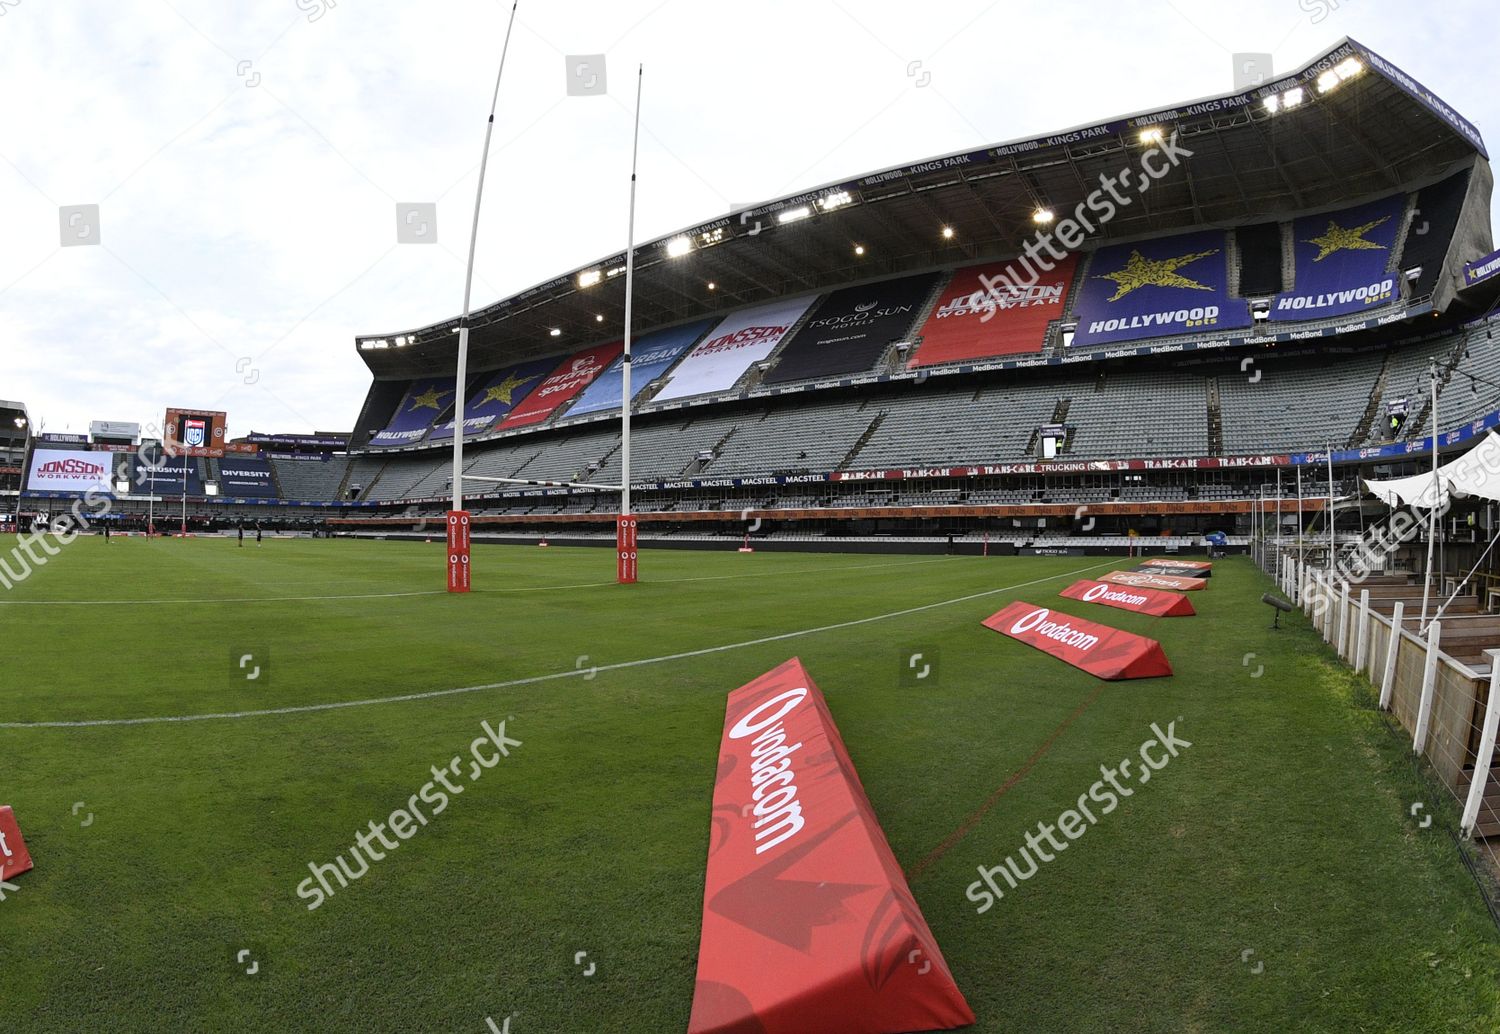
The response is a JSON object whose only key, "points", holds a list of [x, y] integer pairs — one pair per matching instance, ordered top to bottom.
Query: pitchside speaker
{"points": [[458, 550]]}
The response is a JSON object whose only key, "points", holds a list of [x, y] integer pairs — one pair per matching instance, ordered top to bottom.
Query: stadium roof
{"points": [[1345, 125]]}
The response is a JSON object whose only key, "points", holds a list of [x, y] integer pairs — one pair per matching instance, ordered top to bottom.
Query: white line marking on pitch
{"points": [[444, 592], [534, 679]]}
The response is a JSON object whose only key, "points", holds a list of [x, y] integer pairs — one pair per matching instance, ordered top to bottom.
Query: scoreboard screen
{"points": [[195, 432]]}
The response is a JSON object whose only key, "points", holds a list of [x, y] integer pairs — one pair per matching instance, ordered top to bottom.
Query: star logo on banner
{"points": [[1337, 238], [1140, 271], [504, 390], [428, 399]]}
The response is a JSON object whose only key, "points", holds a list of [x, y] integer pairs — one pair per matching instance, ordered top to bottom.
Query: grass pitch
{"points": [[1270, 878]]}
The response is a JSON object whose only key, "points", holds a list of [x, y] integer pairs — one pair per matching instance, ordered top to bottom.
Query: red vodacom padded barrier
{"points": [[1147, 580], [1141, 601], [1097, 649], [14, 858], [808, 924]]}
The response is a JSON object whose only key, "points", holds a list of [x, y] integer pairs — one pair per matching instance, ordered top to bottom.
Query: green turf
{"points": [[1284, 831]]}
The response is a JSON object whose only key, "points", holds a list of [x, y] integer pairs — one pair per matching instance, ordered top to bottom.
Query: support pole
{"points": [[461, 373], [1433, 502], [626, 542], [1392, 647], [1429, 687], [1486, 754]]}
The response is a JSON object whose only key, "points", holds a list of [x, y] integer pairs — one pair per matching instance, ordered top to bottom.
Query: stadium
{"points": [[912, 502]]}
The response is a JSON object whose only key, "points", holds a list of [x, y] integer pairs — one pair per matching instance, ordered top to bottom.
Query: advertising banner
{"points": [[1341, 259], [1480, 270], [1173, 285], [981, 315], [852, 329], [743, 339], [650, 357], [570, 377], [500, 394], [425, 400], [195, 432], [69, 470], [245, 476], [165, 477], [627, 545], [1182, 568], [1146, 580], [1140, 601], [1105, 652], [14, 858], [808, 923]]}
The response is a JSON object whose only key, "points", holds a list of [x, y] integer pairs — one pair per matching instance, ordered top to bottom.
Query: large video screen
{"points": [[194, 432]]}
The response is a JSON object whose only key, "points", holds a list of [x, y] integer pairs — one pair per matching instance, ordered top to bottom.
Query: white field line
{"points": [[444, 592], [534, 679]]}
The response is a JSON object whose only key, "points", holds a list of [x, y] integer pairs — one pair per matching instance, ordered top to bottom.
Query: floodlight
{"points": [[1349, 68], [1328, 80], [1292, 97], [1272, 103], [1153, 135], [835, 200], [791, 215], [1043, 215], [947, 233], [678, 247], [859, 249], [589, 277], [712, 286], [598, 317], [555, 332]]}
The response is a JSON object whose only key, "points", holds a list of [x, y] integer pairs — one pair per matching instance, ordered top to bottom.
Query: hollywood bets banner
{"points": [[1341, 260], [1172, 285], [986, 311], [852, 329], [743, 339], [650, 356], [572, 375], [501, 393], [423, 403], [1147, 580], [1140, 601], [1105, 652], [14, 858], [808, 924]]}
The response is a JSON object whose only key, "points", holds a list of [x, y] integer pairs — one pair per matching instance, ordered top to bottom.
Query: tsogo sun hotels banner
{"points": [[1342, 261], [1172, 285], [986, 311], [852, 328], [744, 338], [808, 924]]}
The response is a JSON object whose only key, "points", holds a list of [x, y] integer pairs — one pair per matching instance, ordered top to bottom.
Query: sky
{"points": [[248, 159]]}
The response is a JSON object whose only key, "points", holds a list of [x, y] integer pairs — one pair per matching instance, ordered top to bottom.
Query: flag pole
{"points": [[461, 376], [625, 532]]}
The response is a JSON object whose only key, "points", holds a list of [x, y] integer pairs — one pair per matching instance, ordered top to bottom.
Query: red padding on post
{"points": [[14, 858]]}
